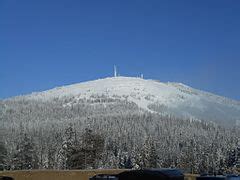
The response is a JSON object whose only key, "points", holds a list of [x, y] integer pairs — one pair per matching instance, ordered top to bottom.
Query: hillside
{"points": [[166, 98], [119, 122]]}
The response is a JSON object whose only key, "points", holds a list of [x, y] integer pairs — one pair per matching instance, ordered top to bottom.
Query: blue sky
{"points": [[50, 43]]}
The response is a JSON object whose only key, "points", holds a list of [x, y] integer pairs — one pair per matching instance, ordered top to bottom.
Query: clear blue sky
{"points": [[48, 43]]}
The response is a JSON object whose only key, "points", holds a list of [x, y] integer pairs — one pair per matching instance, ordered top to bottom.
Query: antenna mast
{"points": [[115, 71]]}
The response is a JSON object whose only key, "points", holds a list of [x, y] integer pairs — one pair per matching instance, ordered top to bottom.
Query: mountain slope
{"points": [[167, 98]]}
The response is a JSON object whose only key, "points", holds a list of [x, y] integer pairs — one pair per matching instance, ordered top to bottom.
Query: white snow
{"points": [[144, 92]]}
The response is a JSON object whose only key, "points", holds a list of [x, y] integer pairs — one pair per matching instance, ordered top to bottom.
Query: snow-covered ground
{"points": [[155, 96]]}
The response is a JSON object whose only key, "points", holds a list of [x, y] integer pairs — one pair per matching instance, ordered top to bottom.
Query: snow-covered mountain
{"points": [[166, 98], [134, 119]]}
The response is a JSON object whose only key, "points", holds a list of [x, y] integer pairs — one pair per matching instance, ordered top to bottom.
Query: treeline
{"points": [[109, 133]]}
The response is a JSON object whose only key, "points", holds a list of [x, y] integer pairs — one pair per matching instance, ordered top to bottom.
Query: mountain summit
{"points": [[154, 96]]}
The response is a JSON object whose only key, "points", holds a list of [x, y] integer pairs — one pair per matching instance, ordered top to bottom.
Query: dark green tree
{"points": [[70, 146], [86, 154], [149, 154], [3, 156], [25, 156], [153, 156]]}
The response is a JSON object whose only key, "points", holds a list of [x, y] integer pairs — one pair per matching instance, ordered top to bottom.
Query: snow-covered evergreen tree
{"points": [[109, 132]]}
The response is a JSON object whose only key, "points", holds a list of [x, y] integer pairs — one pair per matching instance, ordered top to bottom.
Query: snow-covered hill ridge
{"points": [[171, 98]]}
